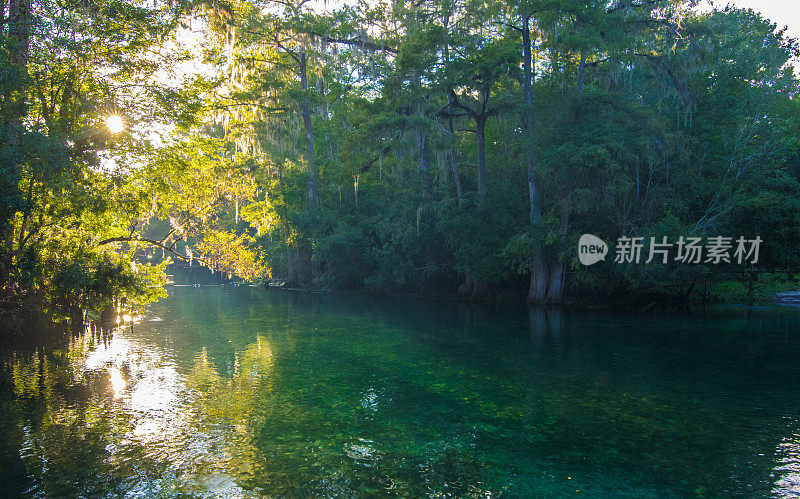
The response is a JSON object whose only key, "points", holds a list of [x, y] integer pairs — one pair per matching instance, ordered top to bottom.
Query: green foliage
{"points": [[421, 144], [402, 148], [90, 282]]}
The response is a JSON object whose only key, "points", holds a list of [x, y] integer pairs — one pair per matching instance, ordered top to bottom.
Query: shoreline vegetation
{"points": [[444, 148], [780, 295]]}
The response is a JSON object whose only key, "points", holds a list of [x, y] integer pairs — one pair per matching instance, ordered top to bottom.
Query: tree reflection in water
{"points": [[240, 394], [106, 414]]}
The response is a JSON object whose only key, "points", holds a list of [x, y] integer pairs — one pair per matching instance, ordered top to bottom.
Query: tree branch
{"points": [[633, 5], [357, 42], [454, 102], [153, 242]]}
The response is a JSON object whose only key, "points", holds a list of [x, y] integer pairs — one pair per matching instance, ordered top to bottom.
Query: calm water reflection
{"points": [[239, 392]]}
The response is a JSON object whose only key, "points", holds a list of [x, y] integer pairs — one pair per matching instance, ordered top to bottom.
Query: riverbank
{"points": [[765, 291]]}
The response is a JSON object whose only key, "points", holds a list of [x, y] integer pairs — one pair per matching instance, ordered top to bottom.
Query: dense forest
{"points": [[448, 147]]}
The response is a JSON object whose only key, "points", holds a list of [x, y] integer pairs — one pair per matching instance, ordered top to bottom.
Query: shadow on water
{"points": [[223, 391]]}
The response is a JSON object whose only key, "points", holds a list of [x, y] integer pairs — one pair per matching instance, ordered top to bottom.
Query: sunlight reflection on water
{"points": [[117, 381], [146, 382], [234, 394], [787, 470]]}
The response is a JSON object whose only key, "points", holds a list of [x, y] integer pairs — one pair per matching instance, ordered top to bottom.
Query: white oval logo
{"points": [[591, 249]]}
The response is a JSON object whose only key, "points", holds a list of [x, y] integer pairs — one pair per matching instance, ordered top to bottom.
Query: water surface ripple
{"points": [[244, 392]]}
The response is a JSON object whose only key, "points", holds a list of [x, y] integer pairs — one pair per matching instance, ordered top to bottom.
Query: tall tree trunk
{"points": [[19, 30], [19, 34], [18, 45], [480, 130], [422, 134], [424, 150], [424, 161], [454, 163], [313, 200], [535, 215], [301, 269], [555, 289], [537, 290]]}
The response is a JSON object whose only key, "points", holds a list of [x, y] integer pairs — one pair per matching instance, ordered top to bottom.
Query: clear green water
{"points": [[238, 392]]}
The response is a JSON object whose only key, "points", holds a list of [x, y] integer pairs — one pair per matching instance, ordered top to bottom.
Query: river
{"points": [[246, 392]]}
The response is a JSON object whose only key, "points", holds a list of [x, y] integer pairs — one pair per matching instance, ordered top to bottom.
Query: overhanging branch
{"points": [[357, 42], [170, 249]]}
